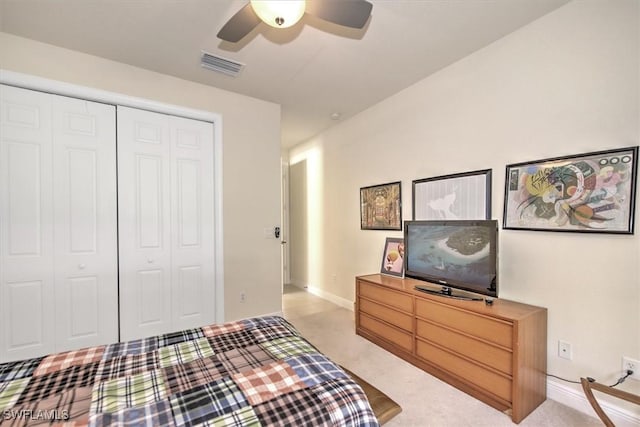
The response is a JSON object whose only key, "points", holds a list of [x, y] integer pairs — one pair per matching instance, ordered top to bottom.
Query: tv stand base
{"points": [[446, 292]]}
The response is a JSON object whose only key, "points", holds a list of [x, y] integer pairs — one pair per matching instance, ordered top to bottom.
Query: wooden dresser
{"points": [[496, 353]]}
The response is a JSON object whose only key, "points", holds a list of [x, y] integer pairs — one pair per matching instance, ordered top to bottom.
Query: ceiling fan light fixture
{"points": [[279, 13]]}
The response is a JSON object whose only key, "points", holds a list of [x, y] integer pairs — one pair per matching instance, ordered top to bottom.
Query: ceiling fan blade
{"points": [[350, 13], [239, 25]]}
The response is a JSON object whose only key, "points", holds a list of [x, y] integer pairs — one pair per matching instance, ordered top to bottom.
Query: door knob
{"points": [[150, 260], [81, 266]]}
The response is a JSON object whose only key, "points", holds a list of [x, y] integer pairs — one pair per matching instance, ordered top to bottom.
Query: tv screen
{"points": [[459, 254]]}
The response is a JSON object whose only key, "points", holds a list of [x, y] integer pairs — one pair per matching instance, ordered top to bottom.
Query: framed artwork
{"points": [[592, 192], [458, 196], [381, 207], [393, 257]]}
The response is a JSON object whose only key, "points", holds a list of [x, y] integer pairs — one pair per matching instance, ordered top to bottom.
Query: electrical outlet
{"points": [[243, 296], [564, 350], [631, 364]]}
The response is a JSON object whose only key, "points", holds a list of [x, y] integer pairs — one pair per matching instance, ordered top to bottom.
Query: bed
{"points": [[257, 371]]}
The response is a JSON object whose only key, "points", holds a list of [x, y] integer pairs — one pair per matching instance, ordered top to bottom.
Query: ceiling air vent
{"points": [[220, 64]]}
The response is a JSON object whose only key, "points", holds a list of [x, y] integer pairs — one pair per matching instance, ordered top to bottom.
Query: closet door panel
{"points": [[189, 195], [24, 198], [149, 199], [144, 223], [192, 223], [26, 227], [85, 236], [151, 287], [26, 318], [83, 323]]}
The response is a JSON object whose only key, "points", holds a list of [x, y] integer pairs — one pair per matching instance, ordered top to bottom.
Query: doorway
{"points": [[294, 254]]}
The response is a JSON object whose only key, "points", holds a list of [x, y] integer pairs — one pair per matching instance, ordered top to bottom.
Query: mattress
{"points": [[252, 372]]}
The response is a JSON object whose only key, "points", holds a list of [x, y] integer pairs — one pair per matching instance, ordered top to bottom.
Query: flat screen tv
{"points": [[456, 254]]}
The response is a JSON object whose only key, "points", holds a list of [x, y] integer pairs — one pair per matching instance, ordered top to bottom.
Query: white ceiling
{"points": [[312, 69]]}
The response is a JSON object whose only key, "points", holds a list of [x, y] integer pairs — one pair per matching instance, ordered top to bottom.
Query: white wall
{"points": [[567, 83], [251, 158]]}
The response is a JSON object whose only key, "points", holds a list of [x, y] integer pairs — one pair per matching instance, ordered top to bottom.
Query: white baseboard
{"points": [[342, 302], [576, 399]]}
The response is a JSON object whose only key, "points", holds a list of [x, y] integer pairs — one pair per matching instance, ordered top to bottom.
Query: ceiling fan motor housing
{"points": [[279, 13]]}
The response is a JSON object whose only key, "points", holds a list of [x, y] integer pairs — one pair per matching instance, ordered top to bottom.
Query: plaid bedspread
{"points": [[255, 372]]}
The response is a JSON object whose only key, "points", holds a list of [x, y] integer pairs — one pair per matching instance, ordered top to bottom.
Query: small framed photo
{"points": [[591, 192], [464, 195], [381, 207], [393, 257]]}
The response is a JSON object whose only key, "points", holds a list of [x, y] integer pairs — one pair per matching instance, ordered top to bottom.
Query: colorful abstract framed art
{"points": [[591, 192], [381, 207]]}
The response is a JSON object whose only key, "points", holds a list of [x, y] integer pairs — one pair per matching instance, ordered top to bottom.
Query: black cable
{"points": [[564, 379], [621, 379], [591, 380]]}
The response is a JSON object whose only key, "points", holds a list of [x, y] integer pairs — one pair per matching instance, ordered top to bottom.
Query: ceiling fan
{"points": [[285, 13]]}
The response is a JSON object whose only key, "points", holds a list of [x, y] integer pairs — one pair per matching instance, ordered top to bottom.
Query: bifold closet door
{"points": [[165, 192], [85, 223], [192, 244], [58, 251]]}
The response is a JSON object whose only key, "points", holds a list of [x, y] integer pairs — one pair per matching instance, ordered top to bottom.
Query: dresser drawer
{"points": [[386, 296], [387, 314], [492, 330], [387, 332], [488, 354], [483, 378]]}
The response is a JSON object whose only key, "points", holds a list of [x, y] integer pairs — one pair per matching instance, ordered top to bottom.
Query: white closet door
{"points": [[166, 208], [144, 223], [26, 228], [85, 236], [58, 252], [192, 276]]}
